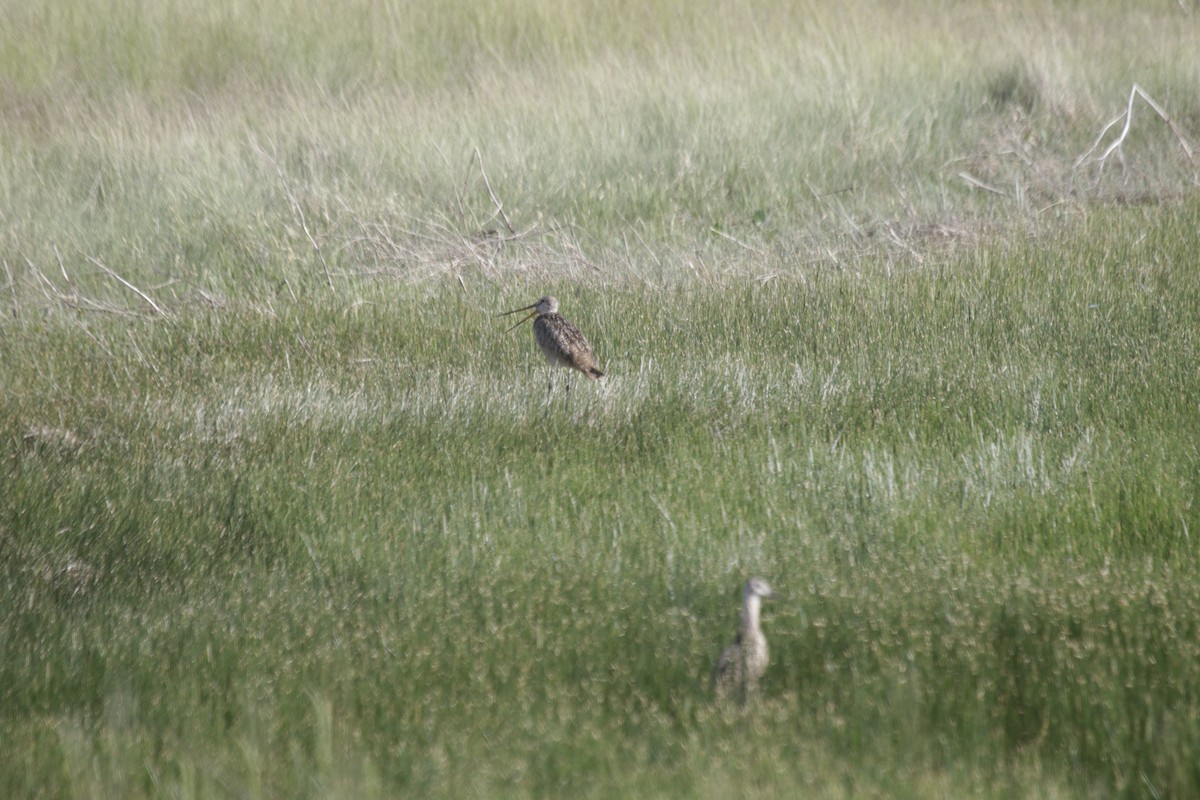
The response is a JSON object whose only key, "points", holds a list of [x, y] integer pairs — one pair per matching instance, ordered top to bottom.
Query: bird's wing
{"points": [[569, 338], [728, 665]]}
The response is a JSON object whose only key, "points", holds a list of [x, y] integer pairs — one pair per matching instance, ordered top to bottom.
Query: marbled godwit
{"points": [[561, 342], [742, 663]]}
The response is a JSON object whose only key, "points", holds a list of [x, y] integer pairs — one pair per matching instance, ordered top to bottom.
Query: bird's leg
{"points": [[748, 692]]}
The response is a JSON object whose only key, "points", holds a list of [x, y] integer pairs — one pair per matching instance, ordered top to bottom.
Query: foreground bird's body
{"points": [[561, 342], [742, 663]]}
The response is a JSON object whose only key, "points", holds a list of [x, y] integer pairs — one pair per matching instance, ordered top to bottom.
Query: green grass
{"points": [[285, 514], [321, 555]]}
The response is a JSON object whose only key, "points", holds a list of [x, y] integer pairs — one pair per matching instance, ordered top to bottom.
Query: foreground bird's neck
{"points": [[750, 608]]}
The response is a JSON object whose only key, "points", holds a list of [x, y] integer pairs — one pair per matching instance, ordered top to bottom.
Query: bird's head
{"points": [[545, 305], [758, 587]]}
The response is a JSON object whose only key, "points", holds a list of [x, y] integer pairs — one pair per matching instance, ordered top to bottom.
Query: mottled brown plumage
{"points": [[561, 342]]}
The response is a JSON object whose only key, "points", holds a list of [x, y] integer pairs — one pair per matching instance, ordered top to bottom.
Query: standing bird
{"points": [[561, 342], [742, 663]]}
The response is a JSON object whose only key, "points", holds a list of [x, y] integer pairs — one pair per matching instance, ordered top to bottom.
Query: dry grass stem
{"points": [[298, 210], [157, 308]]}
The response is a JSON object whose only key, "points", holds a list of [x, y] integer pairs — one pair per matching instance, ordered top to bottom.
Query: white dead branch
{"points": [[1127, 116], [978, 184], [157, 308]]}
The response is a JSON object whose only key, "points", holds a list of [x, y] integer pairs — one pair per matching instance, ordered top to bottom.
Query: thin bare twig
{"points": [[1136, 91], [1100, 138], [978, 184], [496, 202], [61, 266], [127, 285], [57, 295], [74, 301], [215, 302], [87, 304]]}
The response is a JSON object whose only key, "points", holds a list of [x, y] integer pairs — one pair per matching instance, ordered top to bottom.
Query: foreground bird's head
{"points": [[545, 305], [758, 587]]}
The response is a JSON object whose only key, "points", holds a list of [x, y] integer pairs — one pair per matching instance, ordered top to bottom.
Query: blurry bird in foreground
{"points": [[742, 663]]}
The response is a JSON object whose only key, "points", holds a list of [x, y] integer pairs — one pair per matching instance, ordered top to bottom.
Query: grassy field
{"points": [[285, 513]]}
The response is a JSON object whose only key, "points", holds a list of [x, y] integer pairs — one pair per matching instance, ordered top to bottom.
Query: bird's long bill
{"points": [[517, 311]]}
